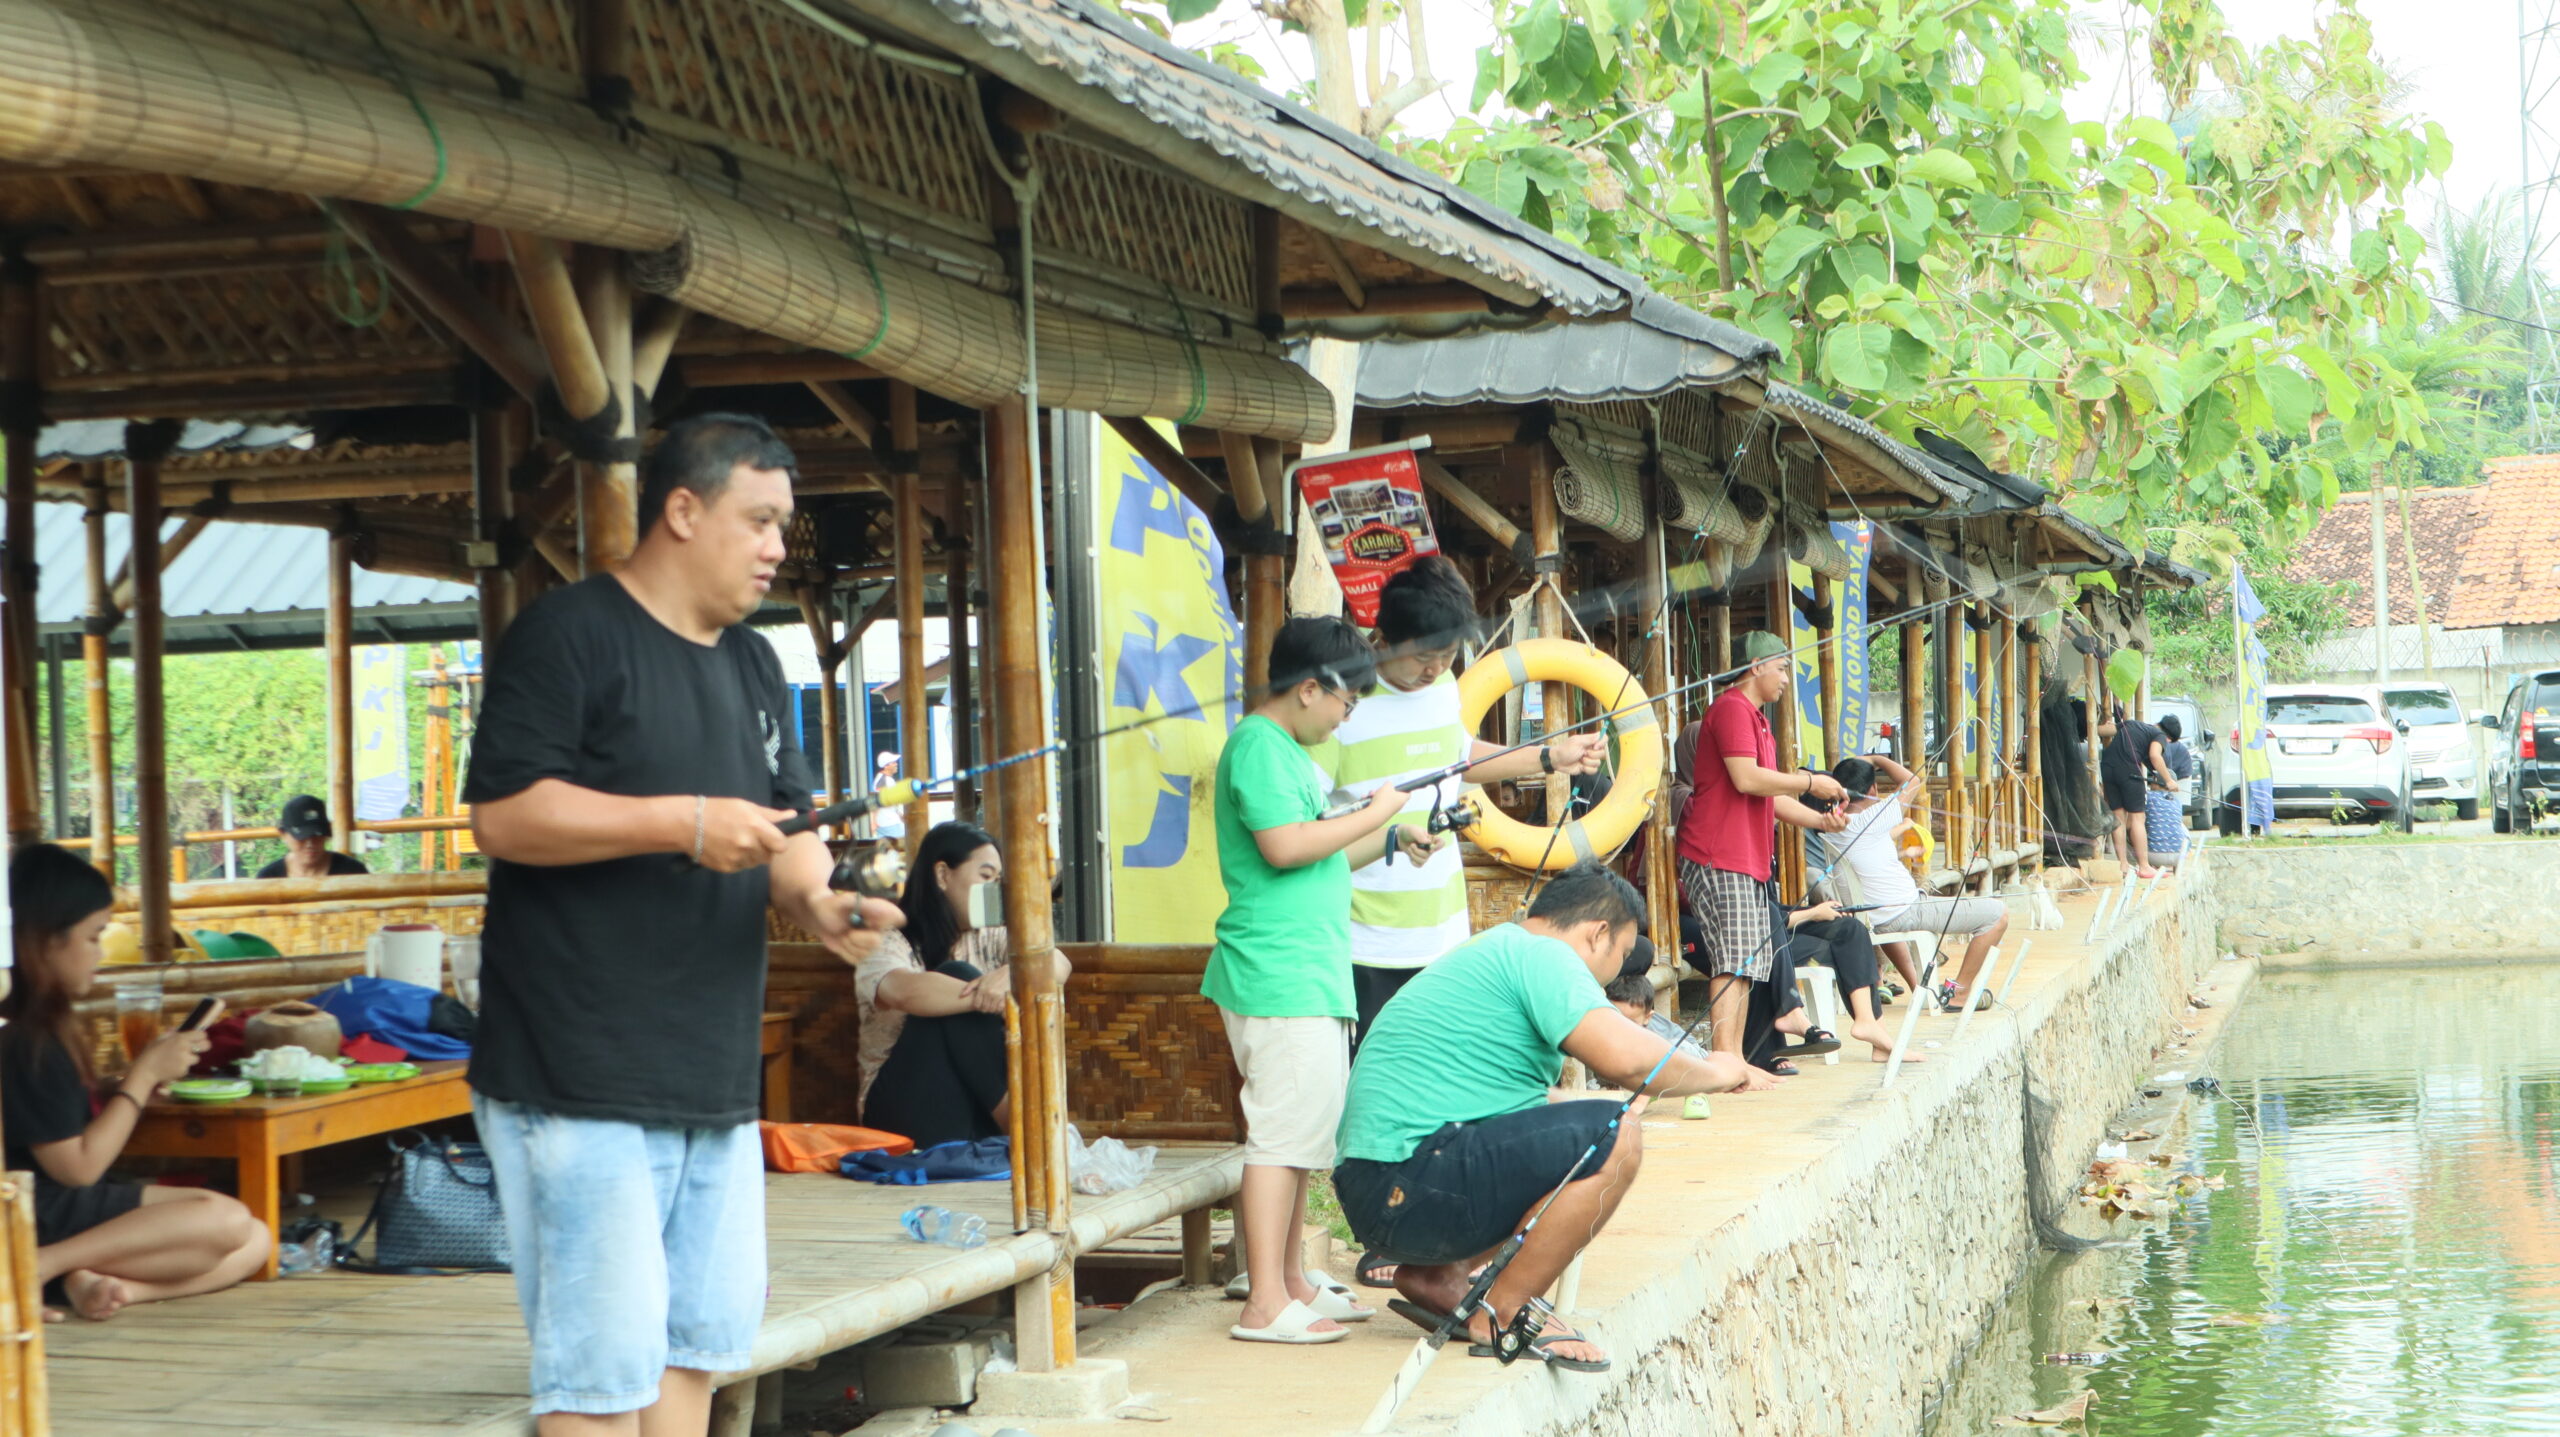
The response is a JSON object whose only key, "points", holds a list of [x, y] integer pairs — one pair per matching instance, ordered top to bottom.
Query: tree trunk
{"points": [[2381, 578], [2417, 585]]}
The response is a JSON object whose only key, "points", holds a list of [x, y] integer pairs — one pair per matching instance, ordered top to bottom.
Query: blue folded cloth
{"points": [[401, 1014], [986, 1160]]}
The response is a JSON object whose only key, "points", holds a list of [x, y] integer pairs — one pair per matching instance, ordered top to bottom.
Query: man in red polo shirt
{"points": [[1728, 837]]}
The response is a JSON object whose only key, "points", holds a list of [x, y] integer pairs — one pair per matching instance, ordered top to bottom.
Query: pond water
{"points": [[2382, 1261]]}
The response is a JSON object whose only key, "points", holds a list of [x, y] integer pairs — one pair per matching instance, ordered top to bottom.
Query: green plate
{"points": [[381, 1072], [313, 1087], [209, 1090]]}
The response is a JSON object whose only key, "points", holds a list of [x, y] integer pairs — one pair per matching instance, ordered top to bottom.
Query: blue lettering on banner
{"points": [[1147, 505], [1149, 669], [1169, 833]]}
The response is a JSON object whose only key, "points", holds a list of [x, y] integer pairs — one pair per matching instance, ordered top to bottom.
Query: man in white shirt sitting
{"points": [[1867, 847]]}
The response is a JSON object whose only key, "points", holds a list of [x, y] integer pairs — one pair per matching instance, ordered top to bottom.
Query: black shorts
{"points": [[2124, 792], [1370, 990], [1470, 1185], [63, 1212]]}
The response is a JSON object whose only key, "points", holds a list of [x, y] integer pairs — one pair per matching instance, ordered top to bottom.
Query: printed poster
{"points": [[1369, 517], [1860, 541], [1170, 645], [1804, 654], [382, 732]]}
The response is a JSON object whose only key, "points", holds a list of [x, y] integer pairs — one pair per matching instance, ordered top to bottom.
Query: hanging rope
{"points": [[400, 77], [870, 265], [345, 282], [1191, 351]]}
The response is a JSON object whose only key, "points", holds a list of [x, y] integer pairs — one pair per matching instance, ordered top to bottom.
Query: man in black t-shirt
{"points": [[634, 754], [2132, 754], [305, 826]]}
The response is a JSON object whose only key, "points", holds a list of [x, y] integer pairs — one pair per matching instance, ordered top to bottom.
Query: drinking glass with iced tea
{"points": [[138, 1006]]}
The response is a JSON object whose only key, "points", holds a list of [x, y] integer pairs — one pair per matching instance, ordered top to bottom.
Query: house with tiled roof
{"points": [[2486, 557]]}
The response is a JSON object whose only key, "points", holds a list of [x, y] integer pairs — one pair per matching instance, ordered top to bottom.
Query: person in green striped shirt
{"points": [[1404, 915]]}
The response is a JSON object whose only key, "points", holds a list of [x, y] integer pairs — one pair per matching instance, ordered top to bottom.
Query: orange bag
{"points": [[818, 1147]]}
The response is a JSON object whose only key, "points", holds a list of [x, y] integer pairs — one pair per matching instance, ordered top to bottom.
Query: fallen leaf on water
{"points": [[2138, 1135], [2164, 1159], [2238, 1319], [2069, 1412]]}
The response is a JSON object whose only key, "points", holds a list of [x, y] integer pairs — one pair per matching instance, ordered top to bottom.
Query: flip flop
{"points": [[1817, 1041], [1782, 1067], [1372, 1264], [1240, 1286], [1338, 1304], [1422, 1316], [1290, 1328], [1542, 1349]]}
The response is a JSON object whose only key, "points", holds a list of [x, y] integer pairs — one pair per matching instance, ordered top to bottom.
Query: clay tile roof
{"points": [[2340, 550], [2511, 565]]}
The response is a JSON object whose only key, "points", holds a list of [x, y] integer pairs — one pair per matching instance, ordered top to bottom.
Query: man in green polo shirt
{"points": [[1280, 972], [1449, 1141]]}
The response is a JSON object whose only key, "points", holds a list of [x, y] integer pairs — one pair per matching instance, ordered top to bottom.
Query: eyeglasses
{"points": [[1350, 700]]}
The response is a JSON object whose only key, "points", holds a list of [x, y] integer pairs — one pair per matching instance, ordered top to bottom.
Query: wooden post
{"points": [[21, 424], [495, 443], [145, 446], [608, 491], [1546, 537], [1266, 599], [818, 613], [338, 637], [1827, 657], [2089, 665], [98, 672], [1915, 677], [961, 687], [2033, 694], [915, 711], [2013, 807], [1790, 855], [1662, 878], [1044, 1306], [24, 1400]]}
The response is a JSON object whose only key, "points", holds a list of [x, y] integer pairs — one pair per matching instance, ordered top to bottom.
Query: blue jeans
{"points": [[637, 1249]]}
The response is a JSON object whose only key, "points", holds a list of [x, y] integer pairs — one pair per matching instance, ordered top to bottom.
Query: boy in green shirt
{"points": [[1280, 972]]}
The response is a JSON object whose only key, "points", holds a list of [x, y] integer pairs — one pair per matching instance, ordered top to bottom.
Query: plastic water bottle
{"points": [[942, 1226], [312, 1254]]}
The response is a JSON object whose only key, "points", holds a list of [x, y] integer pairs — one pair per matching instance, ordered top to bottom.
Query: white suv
{"points": [[2337, 750], [2440, 752]]}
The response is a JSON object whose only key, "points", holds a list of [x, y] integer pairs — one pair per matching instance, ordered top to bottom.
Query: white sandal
{"points": [[1332, 1298], [1291, 1328]]}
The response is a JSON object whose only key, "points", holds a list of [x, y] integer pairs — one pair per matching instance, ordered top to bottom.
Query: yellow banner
{"points": [[1170, 645]]}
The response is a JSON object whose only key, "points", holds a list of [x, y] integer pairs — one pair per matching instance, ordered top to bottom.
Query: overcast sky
{"points": [[2460, 57]]}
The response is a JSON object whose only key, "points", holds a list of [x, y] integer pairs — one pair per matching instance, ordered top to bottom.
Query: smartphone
{"points": [[986, 905], [203, 1010]]}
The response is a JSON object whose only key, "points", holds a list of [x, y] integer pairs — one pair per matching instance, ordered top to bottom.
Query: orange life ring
{"points": [[1601, 832]]}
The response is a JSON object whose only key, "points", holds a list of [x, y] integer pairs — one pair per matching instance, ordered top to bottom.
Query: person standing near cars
{"points": [[634, 755]]}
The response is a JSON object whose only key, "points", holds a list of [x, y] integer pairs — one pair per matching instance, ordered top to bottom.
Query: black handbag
{"points": [[437, 1212]]}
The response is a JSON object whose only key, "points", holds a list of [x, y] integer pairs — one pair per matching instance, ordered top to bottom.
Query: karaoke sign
{"points": [[1370, 516]]}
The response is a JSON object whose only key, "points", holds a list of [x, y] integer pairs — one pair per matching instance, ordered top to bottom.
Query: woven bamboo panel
{"points": [[541, 34], [765, 75], [1147, 221], [240, 324], [1494, 894], [305, 929], [816, 988], [1147, 1056]]}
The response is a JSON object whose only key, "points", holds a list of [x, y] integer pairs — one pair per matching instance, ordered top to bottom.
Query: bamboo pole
{"points": [[444, 294], [656, 327], [21, 424], [495, 442], [145, 446], [1170, 462], [608, 494], [1458, 496], [1546, 536], [170, 550], [817, 602], [338, 636], [2032, 659], [1827, 660], [97, 673], [1915, 675], [961, 685], [915, 710], [2013, 808], [1790, 873], [1662, 879], [25, 1334], [1045, 1334]]}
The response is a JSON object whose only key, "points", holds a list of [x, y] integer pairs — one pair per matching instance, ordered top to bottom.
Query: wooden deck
{"points": [[338, 1353]]}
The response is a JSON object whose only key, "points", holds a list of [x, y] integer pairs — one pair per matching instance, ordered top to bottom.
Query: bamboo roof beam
{"points": [[1343, 274], [439, 289], [560, 323], [654, 333], [714, 371], [848, 411], [1169, 461], [1244, 478], [1458, 496], [120, 594]]}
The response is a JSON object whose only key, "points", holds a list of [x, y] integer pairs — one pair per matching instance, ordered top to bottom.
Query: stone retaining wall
{"points": [[2391, 903], [1840, 1300]]}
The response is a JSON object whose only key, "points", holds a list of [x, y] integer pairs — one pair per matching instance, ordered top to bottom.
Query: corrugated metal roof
{"points": [[1060, 50], [1658, 348], [1817, 416], [104, 438], [230, 571]]}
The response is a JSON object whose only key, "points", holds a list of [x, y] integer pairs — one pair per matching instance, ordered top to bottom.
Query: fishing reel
{"points": [[1457, 813], [877, 872], [1514, 1339]]}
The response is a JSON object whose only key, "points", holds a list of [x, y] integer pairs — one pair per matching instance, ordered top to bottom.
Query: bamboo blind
{"points": [[121, 85], [1602, 481]]}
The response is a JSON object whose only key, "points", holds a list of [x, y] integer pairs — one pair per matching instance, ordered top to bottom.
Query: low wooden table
{"points": [[257, 1133]]}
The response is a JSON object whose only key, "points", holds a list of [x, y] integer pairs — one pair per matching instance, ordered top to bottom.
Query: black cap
{"points": [[304, 817], [1639, 959]]}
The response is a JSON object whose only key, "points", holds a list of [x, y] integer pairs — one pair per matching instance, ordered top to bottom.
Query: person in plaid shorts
{"points": [[1728, 836]]}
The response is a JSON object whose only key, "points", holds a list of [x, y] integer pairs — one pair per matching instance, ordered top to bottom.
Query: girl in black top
{"points": [[105, 1244]]}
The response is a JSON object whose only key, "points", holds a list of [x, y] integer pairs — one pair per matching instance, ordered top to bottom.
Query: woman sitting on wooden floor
{"points": [[933, 1062], [107, 1244]]}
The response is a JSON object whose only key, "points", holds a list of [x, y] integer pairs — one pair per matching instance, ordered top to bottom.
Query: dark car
{"points": [[2524, 752]]}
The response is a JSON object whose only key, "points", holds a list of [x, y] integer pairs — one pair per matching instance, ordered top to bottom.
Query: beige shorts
{"points": [[1296, 1071]]}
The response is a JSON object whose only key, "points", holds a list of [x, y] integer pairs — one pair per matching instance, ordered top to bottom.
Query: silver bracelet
{"points": [[698, 803]]}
